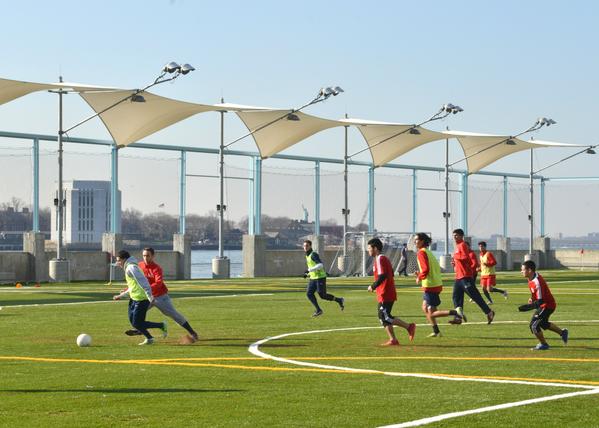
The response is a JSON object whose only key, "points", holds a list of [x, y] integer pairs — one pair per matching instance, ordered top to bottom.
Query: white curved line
{"points": [[254, 349]]}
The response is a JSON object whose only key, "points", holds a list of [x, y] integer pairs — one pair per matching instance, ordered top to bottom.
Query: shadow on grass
{"points": [[122, 390]]}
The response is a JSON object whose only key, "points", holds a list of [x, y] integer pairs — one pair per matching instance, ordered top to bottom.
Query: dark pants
{"points": [[318, 285], [466, 285], [137, 317]]}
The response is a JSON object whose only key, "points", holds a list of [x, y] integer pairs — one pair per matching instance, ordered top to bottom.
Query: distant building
{"points": [[87, 212]]}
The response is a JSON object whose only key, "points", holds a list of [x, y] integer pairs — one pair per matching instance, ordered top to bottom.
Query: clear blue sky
{"points": [[505, 63]]}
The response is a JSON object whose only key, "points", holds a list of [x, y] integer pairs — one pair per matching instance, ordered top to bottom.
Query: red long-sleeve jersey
{"points": [[153, 272]]}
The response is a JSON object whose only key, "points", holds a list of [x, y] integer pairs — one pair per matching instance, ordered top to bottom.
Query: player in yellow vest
{"points": [[487, 272], [429, 278], [318, 280], [140, 294]]}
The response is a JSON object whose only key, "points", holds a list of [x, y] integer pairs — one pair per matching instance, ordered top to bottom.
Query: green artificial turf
{"points": [[217, 382]]}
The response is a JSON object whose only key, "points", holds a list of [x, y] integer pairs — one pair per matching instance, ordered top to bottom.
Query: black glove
{"points": [[306, 274], [527, 307]]}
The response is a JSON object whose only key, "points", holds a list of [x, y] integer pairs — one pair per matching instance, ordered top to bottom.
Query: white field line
{"points": [[112, 301], [254, 349], [425, 421]]}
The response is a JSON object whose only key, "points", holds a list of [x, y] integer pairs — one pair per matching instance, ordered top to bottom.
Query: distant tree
{"points": [[132, 221], [159, 226]]}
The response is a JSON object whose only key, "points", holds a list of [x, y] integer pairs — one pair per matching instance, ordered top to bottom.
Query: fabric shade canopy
{"points": [[13, 89], [131, 121], [283, 133], [384, 142], [481, 150]]}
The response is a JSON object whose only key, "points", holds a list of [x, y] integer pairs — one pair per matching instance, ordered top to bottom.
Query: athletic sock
{"points": [[497, 290], [487, 295], [453, 312], [187, 327], [436, 329]]}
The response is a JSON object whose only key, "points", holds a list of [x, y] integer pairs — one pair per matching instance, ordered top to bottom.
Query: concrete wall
{"points": [[15, 266], [88, 266]]}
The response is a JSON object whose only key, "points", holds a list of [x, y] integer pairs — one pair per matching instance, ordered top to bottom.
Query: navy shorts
{"points": [[431, 299], [384, 311], [540, 320]]}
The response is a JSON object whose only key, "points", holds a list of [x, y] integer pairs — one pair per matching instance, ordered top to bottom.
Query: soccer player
{"points": [[403, 261], [487, 272], [153, 273], [429, 276], [318, 280], [463, 280], [140, 294], [386, 294], [542, 301]]}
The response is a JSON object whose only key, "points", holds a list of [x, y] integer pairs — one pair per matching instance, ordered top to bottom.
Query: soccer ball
{"points": [[84, 340]]}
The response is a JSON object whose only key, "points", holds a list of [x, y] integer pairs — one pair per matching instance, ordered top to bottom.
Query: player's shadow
{"points": [[124, 390]]}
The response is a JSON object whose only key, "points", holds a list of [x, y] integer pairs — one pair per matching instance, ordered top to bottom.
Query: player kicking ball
{"points": [[384, 285], [542, 301]]}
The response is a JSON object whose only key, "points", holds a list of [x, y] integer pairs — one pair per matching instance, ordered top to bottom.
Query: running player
{"points": [[487, 272], [429, 276], [318, 280], [463, 280], [386, 293], [542, 301]]}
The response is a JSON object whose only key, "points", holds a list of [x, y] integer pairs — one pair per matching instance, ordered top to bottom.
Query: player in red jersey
{"points": [[153, 273], [464, 280], [384, 285], [542, 301]]}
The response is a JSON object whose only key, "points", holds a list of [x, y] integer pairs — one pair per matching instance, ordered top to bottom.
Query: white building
{"points": [[87, 211]]}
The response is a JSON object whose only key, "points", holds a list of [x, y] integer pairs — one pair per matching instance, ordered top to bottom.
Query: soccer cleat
{"points": [[505, 294], [470, 300], [341, 303], [317, 313], [461, 314], [490, 317], [455, 321], [164, 329], [411, 331], [133, 332], [433, 334], [195, 336], [564, 336], [147, 341], [393, 342], [540, 347]]}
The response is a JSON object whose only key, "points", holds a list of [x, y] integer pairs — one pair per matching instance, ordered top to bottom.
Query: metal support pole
{"points": [[221, 173], [36, 185], [114, 189], [182, 190], [345, 190], [258, 193], [251, 197], [317, 198], [371, 199], [414, 201], [60, 202], [465, 202], [505, 205], [542, 207], [446, 214], [531, 215]]}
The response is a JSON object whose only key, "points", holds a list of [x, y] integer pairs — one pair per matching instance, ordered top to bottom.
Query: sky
{"points": [[505, 62]]}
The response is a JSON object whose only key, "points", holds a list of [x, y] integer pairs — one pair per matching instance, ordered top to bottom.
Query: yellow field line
{"points": [[339, 358], [278, 369]]}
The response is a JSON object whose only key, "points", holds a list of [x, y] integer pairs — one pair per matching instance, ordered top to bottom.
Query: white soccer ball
{"points": [[84, 340]]}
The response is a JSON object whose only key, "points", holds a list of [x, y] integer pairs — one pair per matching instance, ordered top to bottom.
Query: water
{"points": [[201, 263]]}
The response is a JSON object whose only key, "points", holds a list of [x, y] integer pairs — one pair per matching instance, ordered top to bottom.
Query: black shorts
{"points": [[432, 299], [384, 312], [540, 320]]}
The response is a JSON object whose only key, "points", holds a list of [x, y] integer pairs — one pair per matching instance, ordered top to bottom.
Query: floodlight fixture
{"points": [[172, 67], [186, 68], [138, 98], [293, 117], [414, 131], [510, 142], [590, 151]]}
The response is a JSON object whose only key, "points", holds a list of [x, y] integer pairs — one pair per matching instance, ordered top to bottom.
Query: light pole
{"points": [[542, 121], [588, 150], [221, 264], [59, 267]]}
